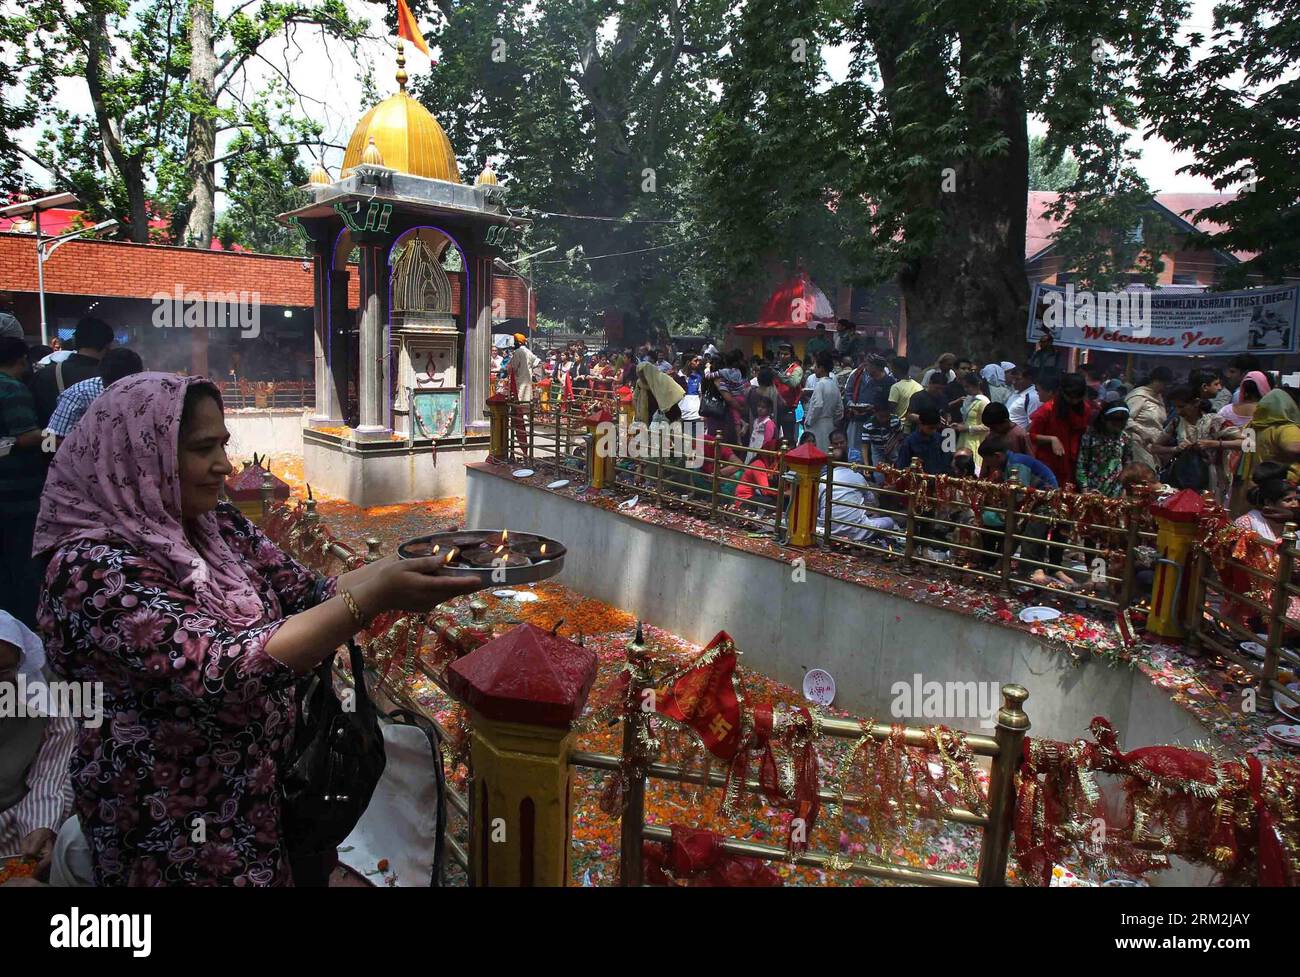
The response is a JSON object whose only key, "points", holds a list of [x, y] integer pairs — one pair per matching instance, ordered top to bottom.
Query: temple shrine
{"points": [[402, 377]]}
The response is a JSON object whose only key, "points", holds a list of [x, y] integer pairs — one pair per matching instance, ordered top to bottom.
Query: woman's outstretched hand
{"points": [[414, 585]]}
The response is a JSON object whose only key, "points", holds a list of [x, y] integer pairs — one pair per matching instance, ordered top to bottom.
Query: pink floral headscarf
{"points": [[116, 478]]}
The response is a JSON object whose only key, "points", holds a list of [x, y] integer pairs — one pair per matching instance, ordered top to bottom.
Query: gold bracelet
{"points": [[350, 603]]}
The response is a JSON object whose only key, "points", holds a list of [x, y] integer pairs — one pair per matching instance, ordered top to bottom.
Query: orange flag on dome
{"points": [[408, 29]]}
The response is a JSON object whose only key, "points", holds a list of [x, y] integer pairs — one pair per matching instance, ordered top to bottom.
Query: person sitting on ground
{"points": [[76, 400], [998, 420], [927, 444], [1104, 452], [999, 464], [849, 489], [1272, 500], [198, 626], [35, 790]]}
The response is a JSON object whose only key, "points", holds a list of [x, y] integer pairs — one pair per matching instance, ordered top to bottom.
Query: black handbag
{"points": [[712, 405], [328, 779]]}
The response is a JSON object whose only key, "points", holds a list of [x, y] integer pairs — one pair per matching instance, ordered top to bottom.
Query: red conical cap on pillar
{"points": [[807, 456], [1184, 506], [525, 676]]}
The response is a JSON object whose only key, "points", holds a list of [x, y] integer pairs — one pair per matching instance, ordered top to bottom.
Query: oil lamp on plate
{"points": [[493, 556]]}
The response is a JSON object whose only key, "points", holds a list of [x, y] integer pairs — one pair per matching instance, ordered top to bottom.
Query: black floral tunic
{"points": [[179, 784]]}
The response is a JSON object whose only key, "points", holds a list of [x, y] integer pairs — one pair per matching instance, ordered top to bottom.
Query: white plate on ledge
{"points": [[523, 473], [558, 485], [1031, 614], [1254, 649], [1284, 733]]}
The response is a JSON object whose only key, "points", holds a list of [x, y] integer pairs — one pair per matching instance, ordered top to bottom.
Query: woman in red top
{"points": [[1056, 428]]}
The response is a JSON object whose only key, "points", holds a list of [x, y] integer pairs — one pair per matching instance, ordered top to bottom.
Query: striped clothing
{"points": [[73, 403], [48, 798]]}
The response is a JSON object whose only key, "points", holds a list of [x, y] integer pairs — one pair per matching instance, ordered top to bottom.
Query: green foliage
{"points": [[586, 97], [1237, 107], [127, 157], [1046, 173]]}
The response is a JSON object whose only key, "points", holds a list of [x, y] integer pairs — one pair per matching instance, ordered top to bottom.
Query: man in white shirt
{"points": [[523, 363], [1024, 399], [825, 407], [849, 490]]}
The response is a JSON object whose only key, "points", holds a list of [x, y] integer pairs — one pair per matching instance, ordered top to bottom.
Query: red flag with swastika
{"points": [[408, 29], [704, 698]]}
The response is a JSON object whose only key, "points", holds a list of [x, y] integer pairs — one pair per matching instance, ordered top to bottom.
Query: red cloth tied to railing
{"points": [[787, 767], [1236, 816], [695, 858]]}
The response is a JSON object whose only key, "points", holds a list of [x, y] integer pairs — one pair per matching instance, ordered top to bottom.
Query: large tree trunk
{"points": [[203, 128], [128, 167], [968, 294]]}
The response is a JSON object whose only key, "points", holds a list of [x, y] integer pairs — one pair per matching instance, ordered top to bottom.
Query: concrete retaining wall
{"points": [[267, 432], [383, 474], [866, 639]]}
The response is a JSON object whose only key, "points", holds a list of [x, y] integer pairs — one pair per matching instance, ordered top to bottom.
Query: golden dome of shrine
{"points": [[408, 138], [488, 177]]}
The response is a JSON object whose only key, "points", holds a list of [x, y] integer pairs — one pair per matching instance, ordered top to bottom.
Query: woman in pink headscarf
{"points": [[1250, 392], [198, 626]]}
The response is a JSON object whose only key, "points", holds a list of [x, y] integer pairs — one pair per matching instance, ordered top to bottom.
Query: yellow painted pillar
{"points": [[498, 406], [806, 461], [600, 465], [1176, 535], [523, 691]]}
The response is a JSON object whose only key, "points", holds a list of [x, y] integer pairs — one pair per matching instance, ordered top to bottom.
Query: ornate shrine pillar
{"points": [[478, 342], [375, 407], [328, 408]]}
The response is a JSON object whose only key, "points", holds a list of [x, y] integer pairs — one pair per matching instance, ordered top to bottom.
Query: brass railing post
{"points": [[532, 429], [778, 483], [830, 499], [1009, 528], [909, 542], [1130, 560], [1277, 618], [1010, 736], [632, 822]]}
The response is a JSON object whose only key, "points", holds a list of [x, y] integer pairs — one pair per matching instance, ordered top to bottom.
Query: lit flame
{"points": [[504, 537], [499, 548], [543, 549], [435, 550], [451, 555]]}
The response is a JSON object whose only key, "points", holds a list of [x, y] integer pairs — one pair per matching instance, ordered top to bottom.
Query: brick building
{"points": [[119, 281]]}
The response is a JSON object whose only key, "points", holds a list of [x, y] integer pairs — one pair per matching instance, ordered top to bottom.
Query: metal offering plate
{"points": [[527, 557]]}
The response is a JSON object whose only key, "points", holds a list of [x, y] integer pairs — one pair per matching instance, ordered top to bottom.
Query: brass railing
{"points": [[937, 519], [1246, 596], [996, 823]]}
